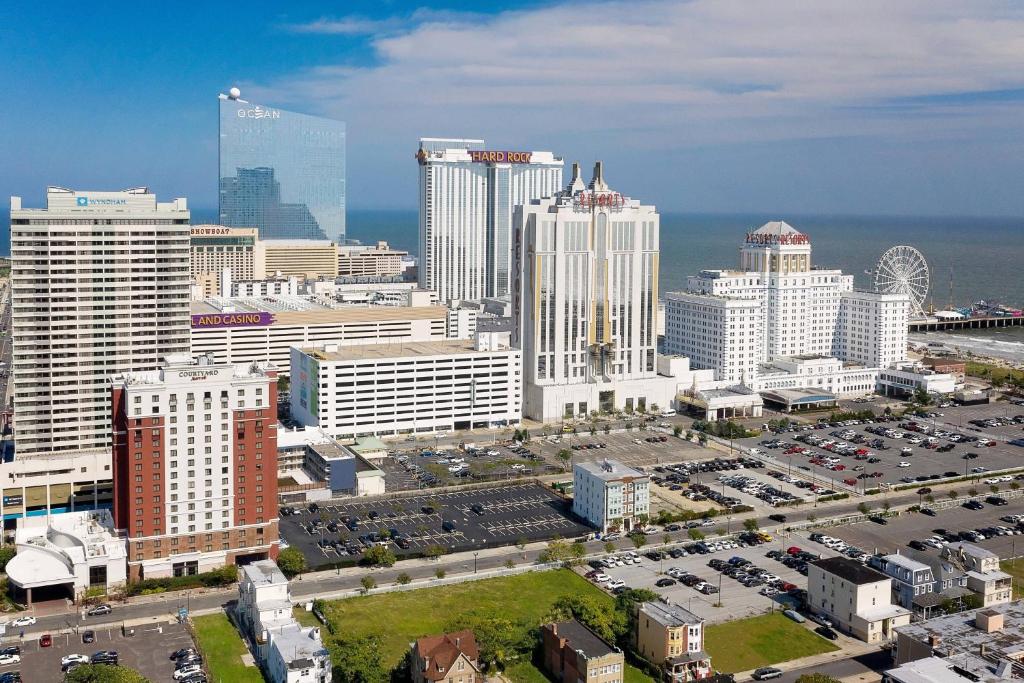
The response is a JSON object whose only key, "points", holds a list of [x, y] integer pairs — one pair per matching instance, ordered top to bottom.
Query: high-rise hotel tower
{"points": [[467, 197], [100, 286], [585, 302]]}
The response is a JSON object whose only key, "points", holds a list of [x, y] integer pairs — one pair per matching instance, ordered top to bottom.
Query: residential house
{"points": [[610, 495], [984, 577], [858, 599], [673, 638], [286, 651], [575, 654], [449, 657]]}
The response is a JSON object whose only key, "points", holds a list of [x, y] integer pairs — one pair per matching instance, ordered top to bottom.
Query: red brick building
{"points": [[195, 465]]}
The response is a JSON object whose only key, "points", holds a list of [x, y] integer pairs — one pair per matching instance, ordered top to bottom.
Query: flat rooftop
{"points": [[328, 309], [449, 347], [610, 470], [851, 570], [264, 571], [669, 615], [957, 633], [583, 639]]}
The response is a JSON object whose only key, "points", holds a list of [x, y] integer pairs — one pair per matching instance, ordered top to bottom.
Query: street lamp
{"points": [[475, 553]]}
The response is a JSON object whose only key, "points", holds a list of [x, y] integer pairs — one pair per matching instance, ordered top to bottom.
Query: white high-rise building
{"points": [[467, 197], [100, 286], [585, 302], [777, 306], [872, 328]]}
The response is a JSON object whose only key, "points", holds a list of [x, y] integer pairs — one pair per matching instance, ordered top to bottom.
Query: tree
{"points": [[283, 383], [922, 397], [676, 431], [703, 439], [565, 456], [993, 488], [972, 492], [952, 494], [929, 498], [863, 508], [750, 524], [695, 535], [639, 539], [665, 539], [521, 544], [609, 547], [433, 551], [577, 551], [7, 553], [379, 556], [292, 562], [510, 564], [440, 573], [403, 579], [368, 583], [586, 609], [499, 639], [359, 660], [102, 673], [817, 678]]}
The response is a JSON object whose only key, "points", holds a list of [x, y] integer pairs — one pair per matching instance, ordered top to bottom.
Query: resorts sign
{"points": [[768, 239]]}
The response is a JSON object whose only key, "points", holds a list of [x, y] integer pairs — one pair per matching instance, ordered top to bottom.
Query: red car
{"points": [[850, 482], [792, 550], [45, 640]]}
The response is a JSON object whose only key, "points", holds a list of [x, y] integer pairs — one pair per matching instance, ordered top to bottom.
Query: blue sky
{"points": [[781, 106]]}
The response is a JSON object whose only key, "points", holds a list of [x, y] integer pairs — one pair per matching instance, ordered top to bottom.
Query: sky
{"points": [[831, 106]]}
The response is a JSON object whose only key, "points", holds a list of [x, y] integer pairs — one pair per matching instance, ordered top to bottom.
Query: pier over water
{"points": [[964, 323]]}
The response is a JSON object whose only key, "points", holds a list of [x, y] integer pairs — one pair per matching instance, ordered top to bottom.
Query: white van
{"points": [[668, 413]]}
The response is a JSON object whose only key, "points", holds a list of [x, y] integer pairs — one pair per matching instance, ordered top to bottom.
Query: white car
{"points": [[493, 453], [904, 463], [602, 578], [612, 585], [23, 621], [9, 659], [74, 659], [187, 671]]}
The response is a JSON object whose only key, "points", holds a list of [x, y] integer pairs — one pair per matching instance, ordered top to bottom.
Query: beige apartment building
{"points": [[215, 247], [305, 258], [370, 261], [984, 577], [857, 599], [673, 638], [575, 654]]}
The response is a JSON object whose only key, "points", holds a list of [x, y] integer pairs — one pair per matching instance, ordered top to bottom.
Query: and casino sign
{"points": [[252, 319]]}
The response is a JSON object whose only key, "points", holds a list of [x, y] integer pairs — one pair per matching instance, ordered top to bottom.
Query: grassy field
{"points": [[993, 373], [1016, 569], [400, 618], [760, 641], [223, 649], [527, 672]]}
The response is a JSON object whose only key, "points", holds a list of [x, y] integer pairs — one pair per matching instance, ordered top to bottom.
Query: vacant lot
{"points": [[1015, 568], [400, 618], [759, 641], [222, 648]]}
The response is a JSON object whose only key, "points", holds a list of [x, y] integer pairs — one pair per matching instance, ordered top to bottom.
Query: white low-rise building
{"points": [[822, 373], [904, 379], [412, 387], [610, 495], [74, 550], [857, 599], [286, 651]]}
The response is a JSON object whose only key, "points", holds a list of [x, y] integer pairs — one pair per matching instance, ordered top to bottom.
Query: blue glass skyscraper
{"points": [[281, 172]]}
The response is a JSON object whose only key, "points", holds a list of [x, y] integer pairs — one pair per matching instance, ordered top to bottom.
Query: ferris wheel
{"points": [[903, 270]]}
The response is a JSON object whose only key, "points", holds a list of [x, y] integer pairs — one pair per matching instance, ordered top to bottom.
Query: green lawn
{"points": [[1015, 568], [400, 618], [760, 641], [222, 647], [527, 672]]}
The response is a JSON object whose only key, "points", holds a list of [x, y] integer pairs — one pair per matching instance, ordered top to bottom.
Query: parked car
{"points": [[99, 610], [795, 616], [23, 621], [826, 632], [88, 637], [45, 640], [74, 659], [6, 660], [766, 673]]}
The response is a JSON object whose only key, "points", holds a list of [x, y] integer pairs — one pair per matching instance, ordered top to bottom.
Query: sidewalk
{"points": [[850, 649]]}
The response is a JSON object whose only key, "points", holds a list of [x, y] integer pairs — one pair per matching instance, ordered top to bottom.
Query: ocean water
{"points": [[982, 256], [1006, 343]]}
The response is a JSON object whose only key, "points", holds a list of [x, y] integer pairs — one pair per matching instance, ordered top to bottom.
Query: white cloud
{"points": [[653, 74]]}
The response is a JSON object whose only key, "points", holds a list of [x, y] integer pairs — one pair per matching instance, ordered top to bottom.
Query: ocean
{"points": [[970, 259]]}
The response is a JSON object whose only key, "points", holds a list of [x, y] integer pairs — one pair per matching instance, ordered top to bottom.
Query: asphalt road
{"points": [[861, 668]]}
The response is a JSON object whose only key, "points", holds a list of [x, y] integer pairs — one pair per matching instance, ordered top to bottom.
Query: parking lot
{"points": [[858, 456], [461, 520], [900, 531], [726, 597], [148, 651]]}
